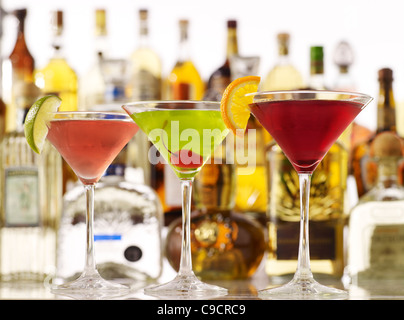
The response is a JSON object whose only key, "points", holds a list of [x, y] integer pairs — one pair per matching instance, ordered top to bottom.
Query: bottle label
{"points": [[146, 86], [21, 197], [323, 235], [387, 248]]}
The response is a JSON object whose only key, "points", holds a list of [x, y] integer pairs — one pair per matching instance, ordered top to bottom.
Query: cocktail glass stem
{"points": [[186, 256], [303, 264], [90, 267], [90, 280], [186, 285]]}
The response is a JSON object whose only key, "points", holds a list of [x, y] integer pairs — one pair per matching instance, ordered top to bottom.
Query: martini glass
{"points": [[305, 124], [186, 134], [89, 141]]}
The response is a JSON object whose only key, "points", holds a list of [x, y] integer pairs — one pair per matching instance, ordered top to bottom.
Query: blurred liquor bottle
{"points": [[343, 59], [145, 66], [17, 70], [283, 75], [317, 76], [57, 77], [221, 77], [184, 81], [344, 81], [145, 83], [92, 87], [2, 104], [363, 169], [31, 200], [328, 213], [376, 223], [225, 245]]}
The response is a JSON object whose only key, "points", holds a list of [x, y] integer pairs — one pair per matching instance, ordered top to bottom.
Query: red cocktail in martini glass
{"points": [[305, 124], [89, 141]]}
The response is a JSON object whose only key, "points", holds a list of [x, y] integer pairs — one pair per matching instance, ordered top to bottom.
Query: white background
{"points": [[374, 28]]}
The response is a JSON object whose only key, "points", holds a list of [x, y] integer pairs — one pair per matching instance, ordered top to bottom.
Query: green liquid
{"points": [[185, 138]]}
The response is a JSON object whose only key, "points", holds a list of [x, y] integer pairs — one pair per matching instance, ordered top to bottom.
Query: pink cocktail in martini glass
{"points": [[305, 124], [89, 142]]}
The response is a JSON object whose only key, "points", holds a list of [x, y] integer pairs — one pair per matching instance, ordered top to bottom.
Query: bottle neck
{"points": [[143, 33], [232, 43], [184, 44], [283, 50], [316, 80], [386, 108], [387, 172]]}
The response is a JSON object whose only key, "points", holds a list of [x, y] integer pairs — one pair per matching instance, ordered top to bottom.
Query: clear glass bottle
{"points": [[344, 58], [145, 66], [284, 75], [57, 77], [221, 77], [184, 81], [145, 83], [92, 86], [363, 169], [31, 193], [376, 223], [127, 229], [225, 244]]}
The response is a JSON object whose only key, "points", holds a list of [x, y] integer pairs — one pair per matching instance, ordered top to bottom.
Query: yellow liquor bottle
{"points": [[283, 75], [57, 77], [184, 81], [363, 169]]}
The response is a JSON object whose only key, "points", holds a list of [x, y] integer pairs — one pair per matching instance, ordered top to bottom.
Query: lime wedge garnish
{"points": [[35, 128]]}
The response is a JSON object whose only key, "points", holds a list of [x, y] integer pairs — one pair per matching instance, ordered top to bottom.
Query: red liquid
{"points": [[305, 129], [89, 146]]}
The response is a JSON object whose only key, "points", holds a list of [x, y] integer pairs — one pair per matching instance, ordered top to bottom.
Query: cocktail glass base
{"points": [[90, 286], [185, 286], [303, 288]]}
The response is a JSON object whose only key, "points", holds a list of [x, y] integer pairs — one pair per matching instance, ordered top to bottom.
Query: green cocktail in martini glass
{"points": [[185, 133]]}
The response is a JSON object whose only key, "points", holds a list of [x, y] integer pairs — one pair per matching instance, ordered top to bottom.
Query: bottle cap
{"points": [[20, 14], [143, 14], [100, 22], [183, 23], [232, 24], [283, 37], [316, 53], [343, 55], [316, 60], [385, 74]]}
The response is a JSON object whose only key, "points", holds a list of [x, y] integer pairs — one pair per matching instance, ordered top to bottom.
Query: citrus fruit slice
{"points": [[234, 103], [35, 128]]}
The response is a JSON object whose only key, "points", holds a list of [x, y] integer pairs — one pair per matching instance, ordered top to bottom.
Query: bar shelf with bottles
{"points": [[251, 205]]}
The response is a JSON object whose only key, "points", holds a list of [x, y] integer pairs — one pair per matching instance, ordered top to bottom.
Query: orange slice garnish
{"points": [[234, 103]]}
